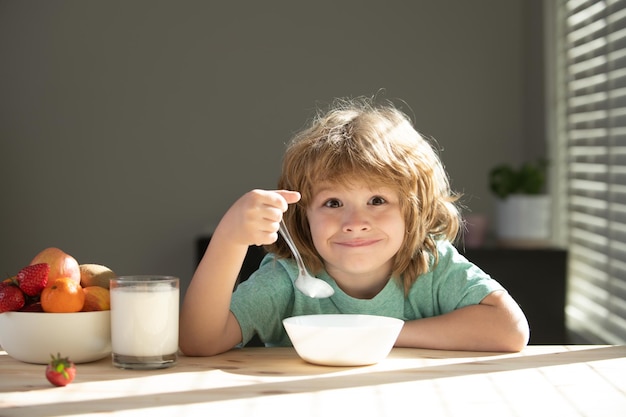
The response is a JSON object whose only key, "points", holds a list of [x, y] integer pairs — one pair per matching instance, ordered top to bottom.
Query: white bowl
{"points": [[33, 337], [342, 339]]}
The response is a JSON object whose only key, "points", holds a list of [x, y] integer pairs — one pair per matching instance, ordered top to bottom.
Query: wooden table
{"points": [[540, 381]]}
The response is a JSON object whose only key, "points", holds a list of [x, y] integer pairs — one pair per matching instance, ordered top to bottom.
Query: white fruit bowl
{"points": [[33, 337], [342, 339]]}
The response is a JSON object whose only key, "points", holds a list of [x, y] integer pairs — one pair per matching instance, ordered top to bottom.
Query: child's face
{"points": [[357, 229]]}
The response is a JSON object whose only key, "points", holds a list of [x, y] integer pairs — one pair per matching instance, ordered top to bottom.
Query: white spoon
{"points": [[306, 283]]}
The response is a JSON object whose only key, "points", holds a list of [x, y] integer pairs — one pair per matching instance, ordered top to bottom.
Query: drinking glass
{"points": [[144, 321]]}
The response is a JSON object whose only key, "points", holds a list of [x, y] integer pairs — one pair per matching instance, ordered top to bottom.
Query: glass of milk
{"points": [[144, 321]]}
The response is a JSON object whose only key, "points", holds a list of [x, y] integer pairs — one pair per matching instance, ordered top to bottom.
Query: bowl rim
{"points": [[50, 313], [381, 320]]}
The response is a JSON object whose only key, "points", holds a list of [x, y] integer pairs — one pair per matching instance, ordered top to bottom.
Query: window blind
{"points": [[591, 61]]}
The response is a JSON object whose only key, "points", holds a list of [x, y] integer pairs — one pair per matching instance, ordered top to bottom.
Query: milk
{"points": [[144, 323]]}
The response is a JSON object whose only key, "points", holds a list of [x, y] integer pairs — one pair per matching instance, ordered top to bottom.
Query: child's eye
{"points": [[377, 201], [332, 203]]}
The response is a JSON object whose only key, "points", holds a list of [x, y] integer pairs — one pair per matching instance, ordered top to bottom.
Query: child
{"points": [[369, 206]]}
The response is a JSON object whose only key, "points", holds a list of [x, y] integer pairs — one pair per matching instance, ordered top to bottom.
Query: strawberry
{"points": [[32, 279], [11, 297], [60, 371]]}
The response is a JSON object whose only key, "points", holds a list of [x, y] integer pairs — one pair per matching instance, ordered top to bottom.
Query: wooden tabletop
{"points": [[540, 381]]}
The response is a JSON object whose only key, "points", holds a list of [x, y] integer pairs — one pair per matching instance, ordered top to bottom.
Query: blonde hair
{"points": [[358, 139]]}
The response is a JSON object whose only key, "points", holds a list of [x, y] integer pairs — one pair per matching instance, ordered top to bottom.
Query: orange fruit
{"points": [[64, 296]]}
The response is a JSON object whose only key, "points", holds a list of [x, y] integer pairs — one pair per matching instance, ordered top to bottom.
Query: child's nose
{"points": [[355, 220]]}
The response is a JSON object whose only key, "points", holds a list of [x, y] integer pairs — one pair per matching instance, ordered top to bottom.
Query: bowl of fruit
{"points": [[55, 305]]}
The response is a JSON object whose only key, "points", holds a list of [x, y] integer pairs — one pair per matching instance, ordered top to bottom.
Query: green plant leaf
{"points": [[530, 178]]}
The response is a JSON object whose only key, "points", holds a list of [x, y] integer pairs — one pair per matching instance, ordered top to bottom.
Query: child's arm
{"points": [[496, 324], [207, 327]]}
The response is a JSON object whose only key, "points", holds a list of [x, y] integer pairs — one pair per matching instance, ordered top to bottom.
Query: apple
{"points": [[62, 265]]}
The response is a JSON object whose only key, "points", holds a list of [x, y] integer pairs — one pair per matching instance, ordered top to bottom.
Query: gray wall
{"points": [[127, 128]]}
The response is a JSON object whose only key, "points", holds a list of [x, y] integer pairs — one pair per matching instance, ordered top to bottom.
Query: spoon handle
{"points": [[296, 254], [306, 283]]}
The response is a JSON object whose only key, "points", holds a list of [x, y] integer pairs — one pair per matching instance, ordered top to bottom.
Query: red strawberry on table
{"points": [[33, 278], [11, 297], [60, 371]]}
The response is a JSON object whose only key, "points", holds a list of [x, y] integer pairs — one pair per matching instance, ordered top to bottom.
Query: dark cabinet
{"points": [[536, 278]]}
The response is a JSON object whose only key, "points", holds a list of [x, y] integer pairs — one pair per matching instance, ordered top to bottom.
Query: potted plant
{"points": [[522, 207]]}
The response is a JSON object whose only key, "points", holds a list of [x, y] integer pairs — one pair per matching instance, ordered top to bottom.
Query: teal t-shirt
{"points": [[269, 295]]}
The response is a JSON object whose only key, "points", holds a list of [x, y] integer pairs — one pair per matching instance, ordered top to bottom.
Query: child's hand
{"points": [[254, 218]]}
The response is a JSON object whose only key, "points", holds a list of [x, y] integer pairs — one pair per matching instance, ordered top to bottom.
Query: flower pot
{"points": [[523, 220]]}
